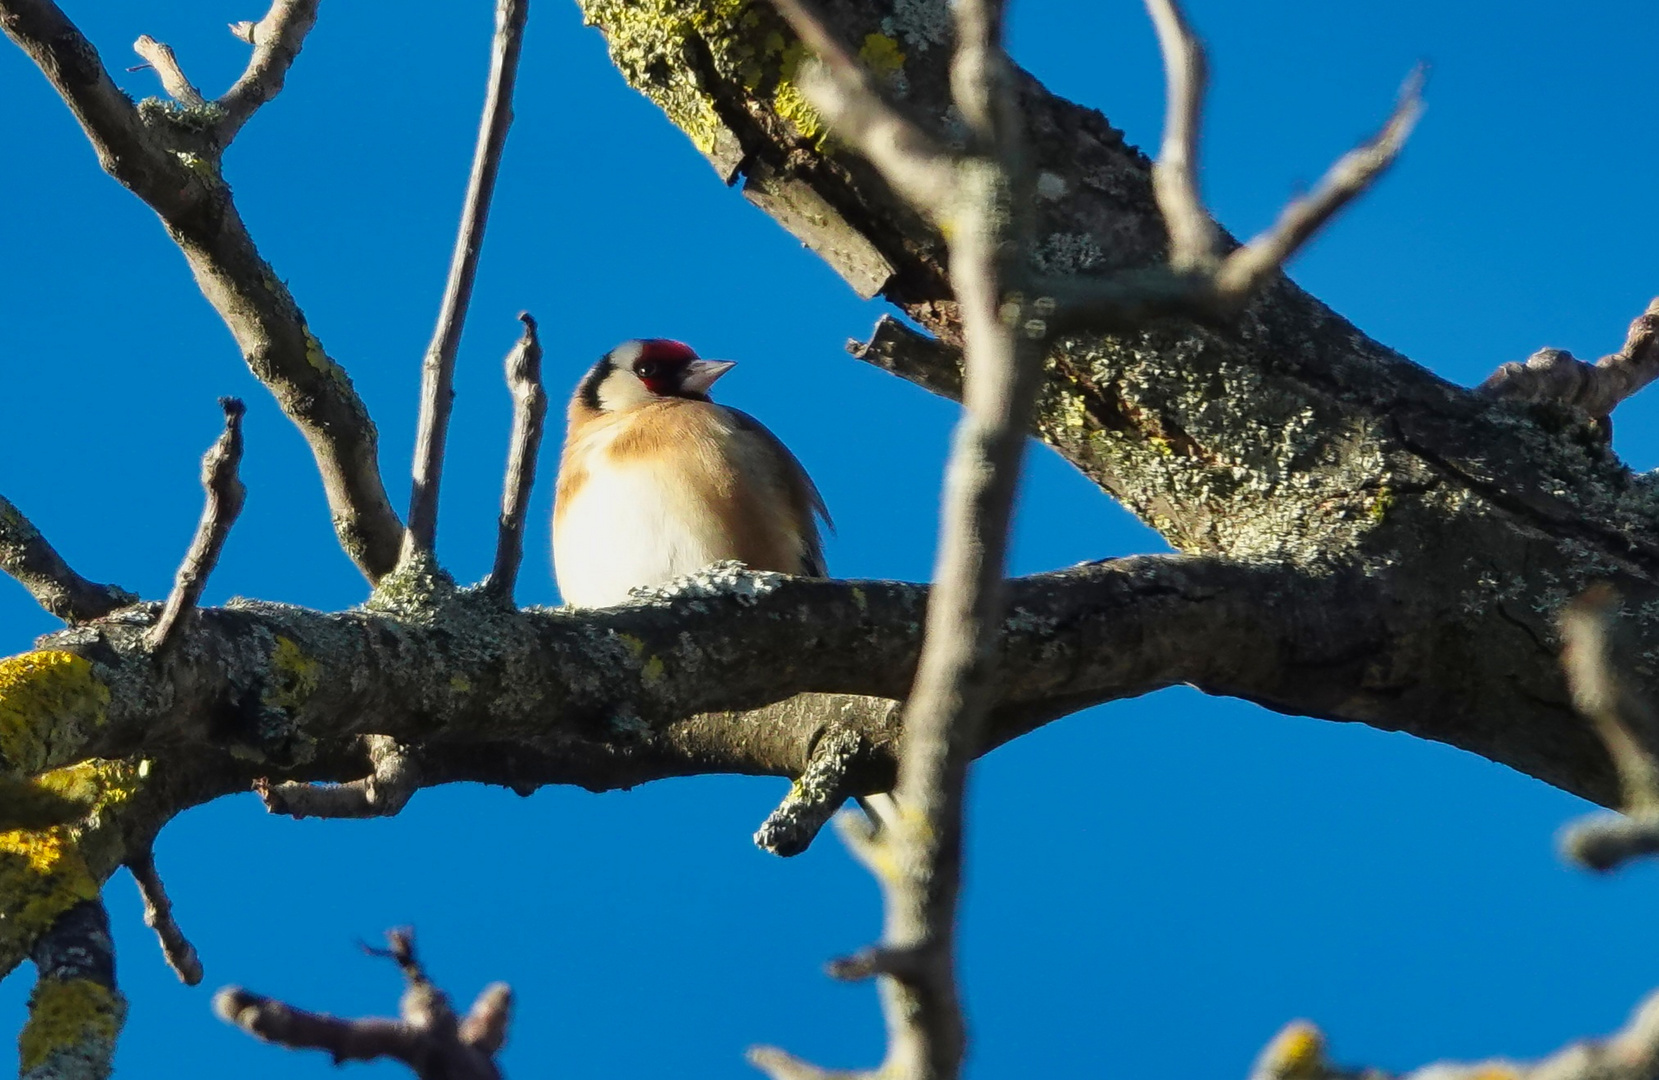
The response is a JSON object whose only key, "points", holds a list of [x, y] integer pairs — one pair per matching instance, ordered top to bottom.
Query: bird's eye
{"points": [[647, 369]]}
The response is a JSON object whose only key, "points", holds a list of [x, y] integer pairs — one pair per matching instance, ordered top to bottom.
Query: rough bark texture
{"points": [[1285, 437]]}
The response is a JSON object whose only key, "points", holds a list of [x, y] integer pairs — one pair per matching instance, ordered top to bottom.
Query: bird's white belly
{"points": [[626, 528]]}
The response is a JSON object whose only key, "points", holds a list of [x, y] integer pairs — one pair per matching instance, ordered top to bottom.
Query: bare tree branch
{"points": [[276, 39], [166, 65], [170, 159], [1193, 239], [1248, 268], [438, 368], [1556, 375], [529, 415], [225, 493], [27, 556], [395, 775], [158, 916], [428, 1037], [1299, 1053]]}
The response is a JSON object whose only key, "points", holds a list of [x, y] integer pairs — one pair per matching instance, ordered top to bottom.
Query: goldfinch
{"points": [[657, 481]]}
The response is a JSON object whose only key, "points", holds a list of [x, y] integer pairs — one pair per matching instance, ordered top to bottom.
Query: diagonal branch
{"points": [[276, 39], [167, 159], [438, 368], [1556, 375], [529, 415], [225, 493], [27, 556], [158, 916]]}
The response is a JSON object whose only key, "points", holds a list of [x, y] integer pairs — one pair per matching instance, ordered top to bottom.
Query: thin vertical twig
{"points": [[438, 368], [529, 417], [225, 493]]}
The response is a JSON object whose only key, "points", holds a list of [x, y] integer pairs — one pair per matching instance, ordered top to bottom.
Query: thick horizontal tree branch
{"points": [[169, 157], [27, 556]]}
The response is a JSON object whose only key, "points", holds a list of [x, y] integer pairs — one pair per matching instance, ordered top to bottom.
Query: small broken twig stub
{"points": [[160, 57], [438, 368], [1596, 389], [529, 419], [225, 493], [394, 776], [815, 796], [158, 916], [427, 1037]]}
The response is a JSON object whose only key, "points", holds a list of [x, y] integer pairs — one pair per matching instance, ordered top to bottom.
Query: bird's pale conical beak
{"points": [[700, 374]]}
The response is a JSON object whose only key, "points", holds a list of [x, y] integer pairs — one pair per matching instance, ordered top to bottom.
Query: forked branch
{"points": [[438, 368], [428, 1036]]}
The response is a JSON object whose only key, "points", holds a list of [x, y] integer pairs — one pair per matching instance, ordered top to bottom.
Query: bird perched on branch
{"points": [[657, 481]]}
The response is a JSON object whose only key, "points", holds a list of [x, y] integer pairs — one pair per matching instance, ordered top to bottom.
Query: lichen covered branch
{"points": [[438, 367], [1596, 389], [529, 416], [225, 493], [27, 556], [816, 794], [158, 916], [75, 1010], [428, 1036]]}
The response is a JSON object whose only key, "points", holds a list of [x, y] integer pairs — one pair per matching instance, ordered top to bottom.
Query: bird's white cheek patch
{"points": [[625, 528]]}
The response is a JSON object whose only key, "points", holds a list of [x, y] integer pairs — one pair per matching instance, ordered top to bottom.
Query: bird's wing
{"points": [[791, 476]]}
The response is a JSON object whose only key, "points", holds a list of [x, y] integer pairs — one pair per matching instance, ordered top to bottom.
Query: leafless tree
{"points": [[1360, 540]]}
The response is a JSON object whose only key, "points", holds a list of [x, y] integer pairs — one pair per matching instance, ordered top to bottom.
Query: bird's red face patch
{"points": [[661, 365]]}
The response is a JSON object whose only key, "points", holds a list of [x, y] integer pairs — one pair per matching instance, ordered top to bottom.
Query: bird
{"points": [[656, 481]]}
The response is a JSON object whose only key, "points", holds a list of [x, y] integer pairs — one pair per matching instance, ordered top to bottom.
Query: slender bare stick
{"points": [[276, 40], [166, 65], [1192, 235], [1247, 268], [438, 369], [529, 416], [225, 493], [27, 556], [394, 776], [158, 916]]}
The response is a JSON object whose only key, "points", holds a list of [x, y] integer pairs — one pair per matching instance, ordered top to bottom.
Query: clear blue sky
{"points": [[1155, 886]]}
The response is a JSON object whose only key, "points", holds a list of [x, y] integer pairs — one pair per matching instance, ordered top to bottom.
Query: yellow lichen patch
{"points": [[882, 55], [653, 671], [295, 675], [460, 683], [45, 696], [42, 875], [69, 1015], [1297, 1051], [1497, 1072]]}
